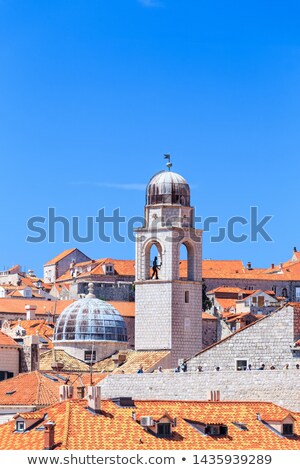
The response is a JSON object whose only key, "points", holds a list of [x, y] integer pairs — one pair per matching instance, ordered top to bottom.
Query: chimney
{"points": [[295, 249], [249, 265], [273, 265], [281, 265], [30, 312], [30, 354], [65, 392], [80, 392], [214, 395], [94, 399], [49, 435]]}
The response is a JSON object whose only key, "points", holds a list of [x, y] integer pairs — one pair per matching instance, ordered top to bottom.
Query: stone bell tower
{"points": [[168, 309]]}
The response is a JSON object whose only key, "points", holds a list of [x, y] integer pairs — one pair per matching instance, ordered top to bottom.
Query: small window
{"points": [[109, 269], [284, 292], [187, 297], [90, 356], [241, 364], [20, 426], [164, 429], [214, 430], [287, 430]]}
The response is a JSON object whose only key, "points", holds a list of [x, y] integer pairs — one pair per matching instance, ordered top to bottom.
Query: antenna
{"points": [[168, 157], [91, 364]]}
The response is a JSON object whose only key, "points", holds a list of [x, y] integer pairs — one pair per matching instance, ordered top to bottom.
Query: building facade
{"points": [[168, 302]]}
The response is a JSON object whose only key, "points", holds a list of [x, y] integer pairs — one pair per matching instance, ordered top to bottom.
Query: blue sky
{"points": [[94, 93]]}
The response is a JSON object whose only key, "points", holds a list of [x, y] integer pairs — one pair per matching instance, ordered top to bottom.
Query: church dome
{"points": [[167, 187], [90, 319]]}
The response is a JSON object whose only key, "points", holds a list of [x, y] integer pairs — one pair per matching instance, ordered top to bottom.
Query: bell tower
{"points": [[168, 309]]}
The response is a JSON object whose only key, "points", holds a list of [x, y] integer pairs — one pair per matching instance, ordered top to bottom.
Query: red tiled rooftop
{"points": [[60, 257], [6, 340], [115, 429]]}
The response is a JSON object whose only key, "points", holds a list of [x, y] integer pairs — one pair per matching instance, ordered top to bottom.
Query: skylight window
{"points": [[51, 377], [241, 426]]}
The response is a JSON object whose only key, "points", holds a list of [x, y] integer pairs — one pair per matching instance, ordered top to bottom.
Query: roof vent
{"points": [[94, 399]]}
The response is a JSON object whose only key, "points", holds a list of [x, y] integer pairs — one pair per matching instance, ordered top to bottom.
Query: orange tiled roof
{"points": [[60, 256], [121, 267], [226, 289], [226, 304], [43, 306], [126, 309], [208, 316], [42, 328], [6, 340], [36, 389], [30, 415], [115, 429]]}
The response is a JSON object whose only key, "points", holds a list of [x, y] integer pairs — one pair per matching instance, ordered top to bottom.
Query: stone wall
{"points": [[64, 264], [105, 291], [164, 320], [209, 332], [267, 341], [29, 354], [9, 359], [278, 386]]}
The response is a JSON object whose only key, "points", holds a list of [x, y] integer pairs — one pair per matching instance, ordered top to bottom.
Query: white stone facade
{"points": [[168, 310], [269, 341], [102, 349], [281, 387]]}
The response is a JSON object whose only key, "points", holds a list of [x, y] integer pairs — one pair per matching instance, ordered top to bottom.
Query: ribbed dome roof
{"points": [[168, 187], [90, 319]]}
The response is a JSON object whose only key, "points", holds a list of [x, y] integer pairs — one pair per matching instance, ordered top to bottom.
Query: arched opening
{"points": [[153, 260], [186, 262], [284, 292]]}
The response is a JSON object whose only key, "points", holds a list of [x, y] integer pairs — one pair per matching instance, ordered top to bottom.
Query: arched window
{"points": [[153, 255], [186, 262], [284, 292]]}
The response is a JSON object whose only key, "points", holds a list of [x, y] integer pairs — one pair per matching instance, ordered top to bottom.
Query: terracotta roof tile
{"points": [[60, 257], [43, 306], [126, 309], [208, 316], [6, 340], [37, 389], [112, 429]]}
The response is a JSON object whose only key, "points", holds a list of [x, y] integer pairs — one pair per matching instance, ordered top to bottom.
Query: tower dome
{"points": [[168, 187], [90, 319], [90, 329]]}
